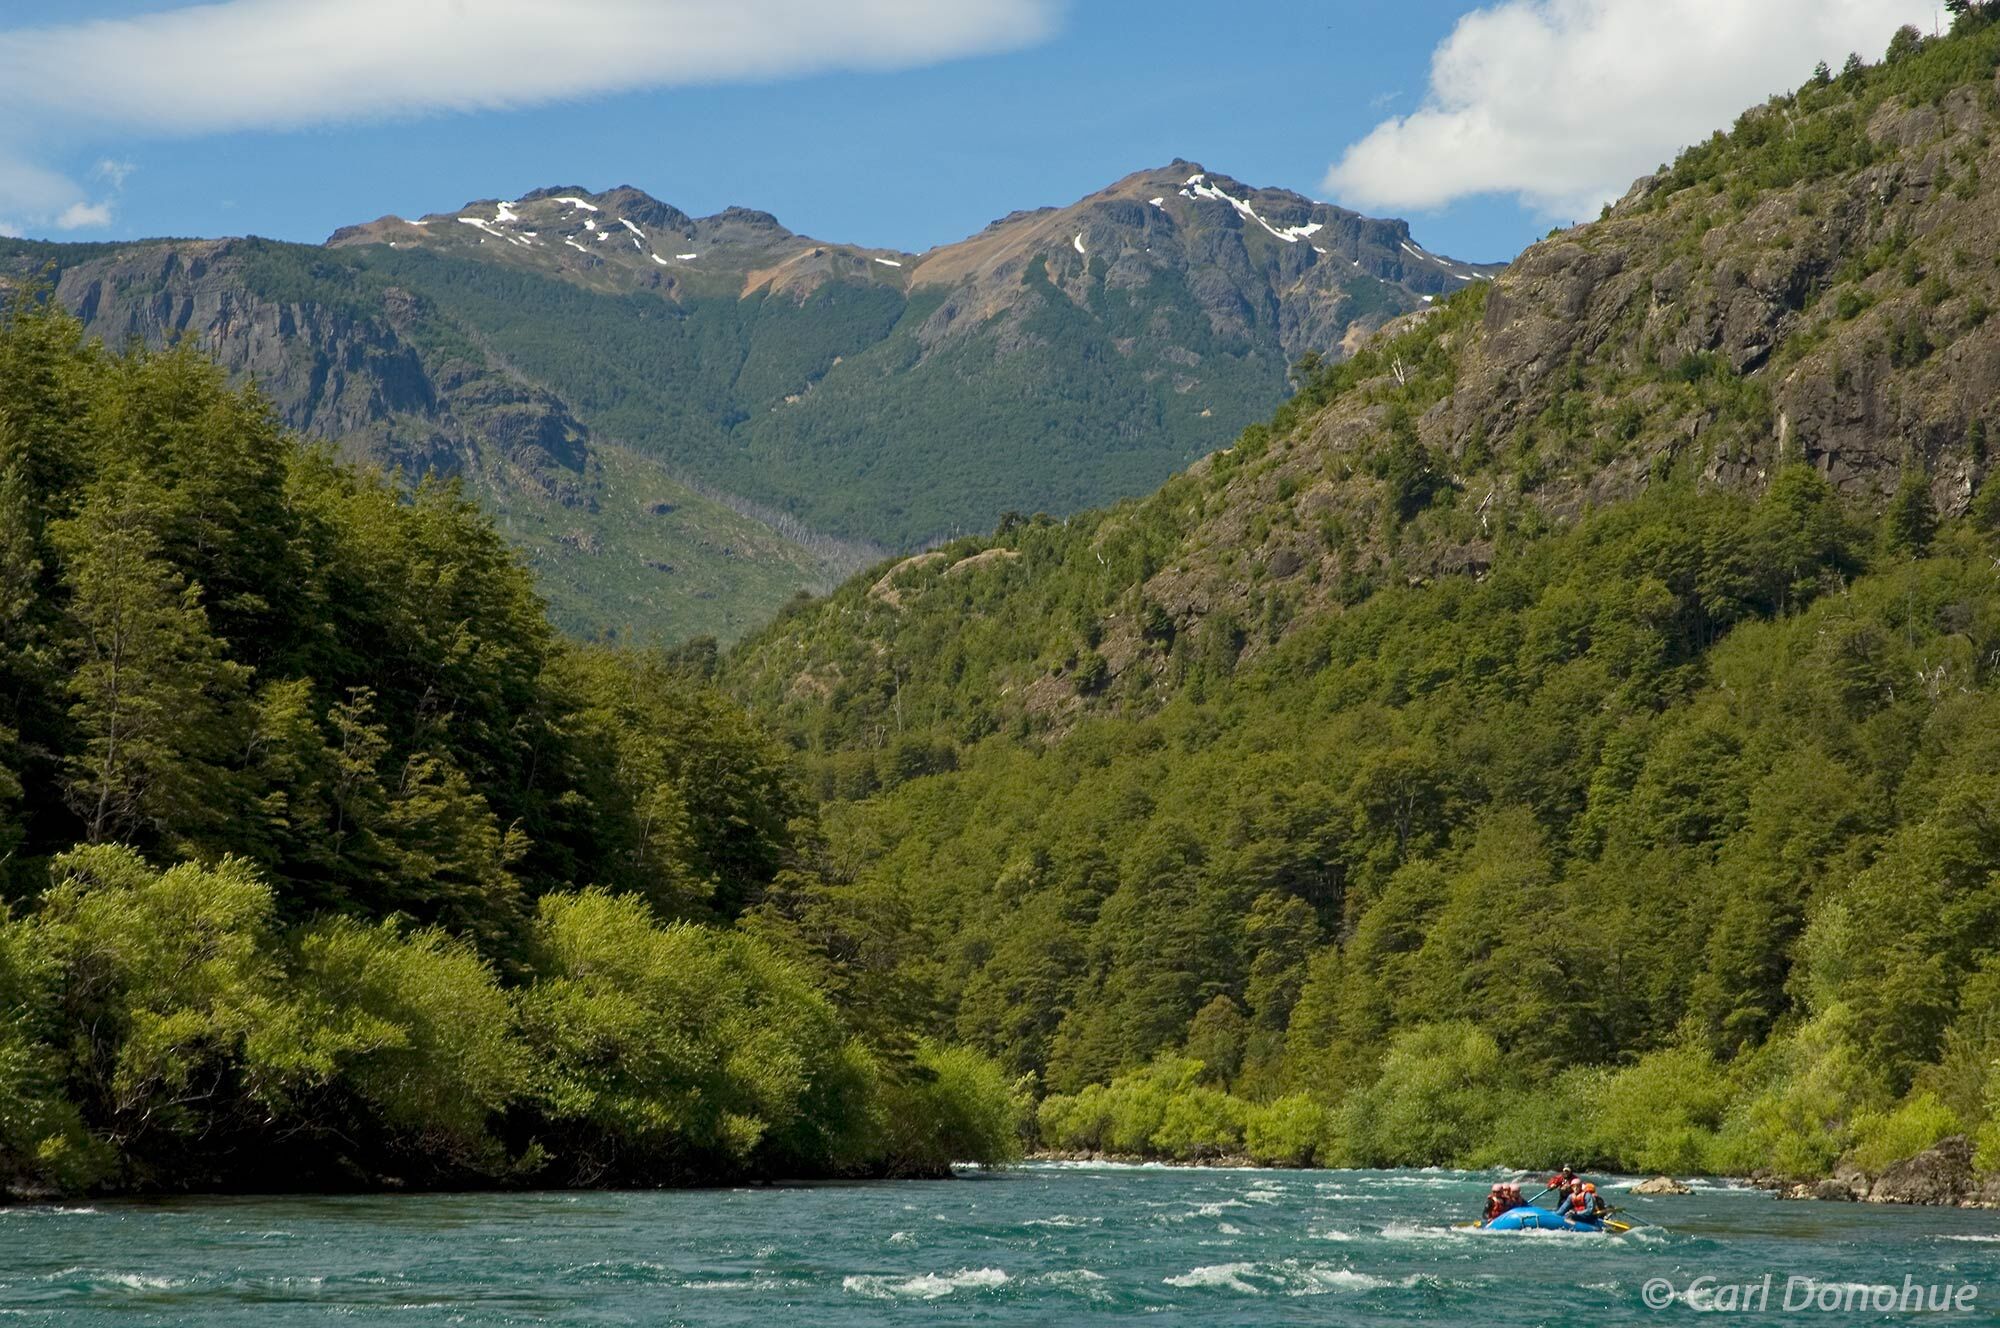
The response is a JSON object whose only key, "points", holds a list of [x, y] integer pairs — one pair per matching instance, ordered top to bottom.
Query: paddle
{"points": [[1622, 1227]]}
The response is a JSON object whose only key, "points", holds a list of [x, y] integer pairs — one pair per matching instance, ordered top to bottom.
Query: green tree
{"points": [[1911, 520], [151, 686], [1216, 1037], [679, 1052], [1439, 1091], [954, 1105]]}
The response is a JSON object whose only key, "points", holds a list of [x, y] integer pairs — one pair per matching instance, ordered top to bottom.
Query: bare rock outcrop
{"points": [[1941, 1174], [1661, 1185]]}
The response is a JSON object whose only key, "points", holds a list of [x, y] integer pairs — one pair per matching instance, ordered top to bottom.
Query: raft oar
{"points": [[1624, 1227]]}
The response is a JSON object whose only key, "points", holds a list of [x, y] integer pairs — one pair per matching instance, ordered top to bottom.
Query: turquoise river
{"points": [[1037, 1244]]}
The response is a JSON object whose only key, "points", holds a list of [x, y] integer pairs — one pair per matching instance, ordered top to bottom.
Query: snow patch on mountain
{"points": [[1198, 186], [487, 227]]}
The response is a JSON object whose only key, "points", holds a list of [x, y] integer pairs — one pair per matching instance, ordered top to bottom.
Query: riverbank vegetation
{"points": [[327, 863]]}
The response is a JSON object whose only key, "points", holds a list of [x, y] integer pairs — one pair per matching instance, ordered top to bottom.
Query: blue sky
{"points": [[1032, 102]]}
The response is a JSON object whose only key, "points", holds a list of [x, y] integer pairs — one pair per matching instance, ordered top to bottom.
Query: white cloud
{"points": [[244, 64], [265, 64], [1563, 103], [116, 172], [26, 188], [32, 197], [78, 216]]}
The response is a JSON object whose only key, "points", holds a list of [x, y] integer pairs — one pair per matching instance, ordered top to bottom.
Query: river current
{"points": [[1037, 1244]]}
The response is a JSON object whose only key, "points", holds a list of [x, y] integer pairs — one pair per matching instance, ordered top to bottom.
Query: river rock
{"points": [[1941, 1174], [1661, 1185], [1845, 1185]]}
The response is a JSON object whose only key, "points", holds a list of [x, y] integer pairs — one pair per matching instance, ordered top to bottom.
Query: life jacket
{"points": [[1579, 1202]]}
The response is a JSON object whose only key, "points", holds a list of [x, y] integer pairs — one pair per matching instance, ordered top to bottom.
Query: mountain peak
{"points": [[556, 191], [1176, 214], [620, 238]]}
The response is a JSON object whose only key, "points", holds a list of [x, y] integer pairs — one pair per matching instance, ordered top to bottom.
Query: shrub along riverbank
{"points": [[167, 1033], [1445, 1096]]}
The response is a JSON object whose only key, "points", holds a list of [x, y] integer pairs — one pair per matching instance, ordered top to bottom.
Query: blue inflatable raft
{"points": [[1530, 1218]]}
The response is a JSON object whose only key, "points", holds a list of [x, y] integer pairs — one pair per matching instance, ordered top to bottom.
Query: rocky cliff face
{"points": [[1858, 303], [1730, 315], [383, 373], [360, 375], [1942, 1175]]}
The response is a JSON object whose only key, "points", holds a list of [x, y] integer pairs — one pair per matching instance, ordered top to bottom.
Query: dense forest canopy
{"points": [[1696, 788], [1666, 841], [320, 849]]}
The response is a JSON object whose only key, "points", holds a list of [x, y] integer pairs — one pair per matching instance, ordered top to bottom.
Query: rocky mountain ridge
{"points": [[1304, 252], [796, 406]]}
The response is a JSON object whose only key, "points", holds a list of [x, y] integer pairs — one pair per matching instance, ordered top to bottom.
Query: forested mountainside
{"points": [[684, 421], [1561, 733], [326, 861]]}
